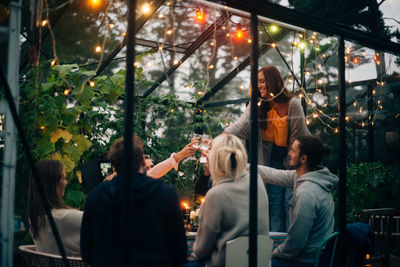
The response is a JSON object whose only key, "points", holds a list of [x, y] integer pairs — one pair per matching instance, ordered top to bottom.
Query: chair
{"points": [[382, 223], [327, 250], [237, 251], [38, 259]]}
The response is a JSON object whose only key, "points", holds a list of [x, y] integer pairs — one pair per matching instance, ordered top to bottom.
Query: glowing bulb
{"points": [[94, 3], [146, 8], [200, 15], [161, 16], [44, 22], [111, 25], [223, 28], [273, 28], [169, 32], [123, 34], [228, 34], [239, 34], [249, 41], [212, 43], [295, 44], [273, 45], [302, 45], [160, 48], [98, 49], [235, 58], [356, 60], [176, 61], [53, 62], [135, 64], [211, 67], [91, 84], [241, 87], [66, 91], [373, 92], [200, 93], [259, 103], [172, 110], [315, 115], [347, 118], [307, 121], [362, 124], [42, 127], [336, 130], [185, 205]]}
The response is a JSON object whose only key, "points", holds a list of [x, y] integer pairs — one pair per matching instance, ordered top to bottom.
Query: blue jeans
{"points": [[279, 197], [276, 262]]}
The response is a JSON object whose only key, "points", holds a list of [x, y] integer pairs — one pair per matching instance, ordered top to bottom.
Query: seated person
{"points": [[312, 209], [224, 214], [68, 220], [157, 236]]}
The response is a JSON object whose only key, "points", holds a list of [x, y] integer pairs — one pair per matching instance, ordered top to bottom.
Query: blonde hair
{"points": [[228, 157]]}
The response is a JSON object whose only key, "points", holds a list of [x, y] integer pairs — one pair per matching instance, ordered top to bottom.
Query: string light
{"points": [[94, 3], [146, 8], [200, 15], [161, 16], [44, 22], [111, 25], [273, 28], [169, 32], [123, 34], [239, 34], [249, 41], [273, 45], [302, 45], [98, 49], [235, 58], [356, 60], [176, 61], [53, 62], [211, 66], [91, 84], [241, 87], [66, 91], [172, 110], [42, 127]]}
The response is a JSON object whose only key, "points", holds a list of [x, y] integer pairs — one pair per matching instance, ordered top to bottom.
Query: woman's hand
{"points": [[187, 151], [205, 153]]}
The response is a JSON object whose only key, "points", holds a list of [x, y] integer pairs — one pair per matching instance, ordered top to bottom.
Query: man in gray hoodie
{"points": [[312, 207]]}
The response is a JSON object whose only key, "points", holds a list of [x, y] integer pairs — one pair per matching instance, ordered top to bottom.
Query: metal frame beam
{"points": [[310, 22], [138, 25], [263, 49], [190, 50]]}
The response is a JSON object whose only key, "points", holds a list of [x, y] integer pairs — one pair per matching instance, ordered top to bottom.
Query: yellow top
{"points": [[277, 129]]}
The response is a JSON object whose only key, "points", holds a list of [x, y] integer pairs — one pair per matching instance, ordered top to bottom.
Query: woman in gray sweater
{"points": [[224, 214]]}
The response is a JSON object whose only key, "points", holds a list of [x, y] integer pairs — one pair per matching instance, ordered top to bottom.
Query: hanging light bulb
{"points": [[146, 8], [200, 15], [273, 28], [239, 34], [97, 49], [356, 60], [91, 84]]}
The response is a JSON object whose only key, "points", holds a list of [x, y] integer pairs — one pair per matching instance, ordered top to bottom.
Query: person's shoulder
{"points": [[98, 191]]}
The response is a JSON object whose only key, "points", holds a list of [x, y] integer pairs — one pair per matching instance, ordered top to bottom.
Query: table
{"points": [[277, 237]]}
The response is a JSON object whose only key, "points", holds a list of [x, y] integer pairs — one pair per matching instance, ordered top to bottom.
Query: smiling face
{"points": [[262, 85], [294, 154], [62, 183]]}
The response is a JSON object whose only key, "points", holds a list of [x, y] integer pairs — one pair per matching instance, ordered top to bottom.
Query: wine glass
{"points": [[198, 143], [205, 145]]}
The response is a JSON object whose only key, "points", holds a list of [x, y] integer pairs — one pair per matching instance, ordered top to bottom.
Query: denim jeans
{"points": [[279, 197]]}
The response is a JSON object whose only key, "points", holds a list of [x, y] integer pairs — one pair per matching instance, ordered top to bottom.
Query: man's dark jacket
{"points": [[156, 232]]}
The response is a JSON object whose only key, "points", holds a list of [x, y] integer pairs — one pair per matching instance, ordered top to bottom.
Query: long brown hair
{"points": [[276, 86], [49, 172]]}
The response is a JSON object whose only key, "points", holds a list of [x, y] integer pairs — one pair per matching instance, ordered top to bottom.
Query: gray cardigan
{"points": [[296, 126], [224, 216]]}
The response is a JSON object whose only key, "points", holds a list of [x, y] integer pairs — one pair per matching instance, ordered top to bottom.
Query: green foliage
{"points": [[68, 119], [370, 185]]}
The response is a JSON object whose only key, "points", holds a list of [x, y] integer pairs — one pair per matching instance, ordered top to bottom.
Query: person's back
{"points": [[68, 222], [156, 235]]}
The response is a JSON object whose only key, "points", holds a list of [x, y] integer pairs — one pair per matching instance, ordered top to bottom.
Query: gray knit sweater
{"points": [[296, 126], [224, 216]]}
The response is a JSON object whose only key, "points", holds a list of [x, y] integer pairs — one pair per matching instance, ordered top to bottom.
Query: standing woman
{"points": [[281, 120], [68, 220]]}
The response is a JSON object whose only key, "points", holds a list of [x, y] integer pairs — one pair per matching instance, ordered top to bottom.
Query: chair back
{"points": [[382, 223], [237, 251], [327, 251], [35, 258]]}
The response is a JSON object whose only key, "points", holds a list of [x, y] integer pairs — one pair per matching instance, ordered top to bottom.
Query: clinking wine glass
{"points": [[205, 145]]}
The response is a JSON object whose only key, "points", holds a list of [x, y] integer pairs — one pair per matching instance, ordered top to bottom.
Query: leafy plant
{"points": [[369, 185]]}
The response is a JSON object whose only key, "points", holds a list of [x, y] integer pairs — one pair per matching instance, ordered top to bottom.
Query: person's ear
{"points": [[303, 158]]}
